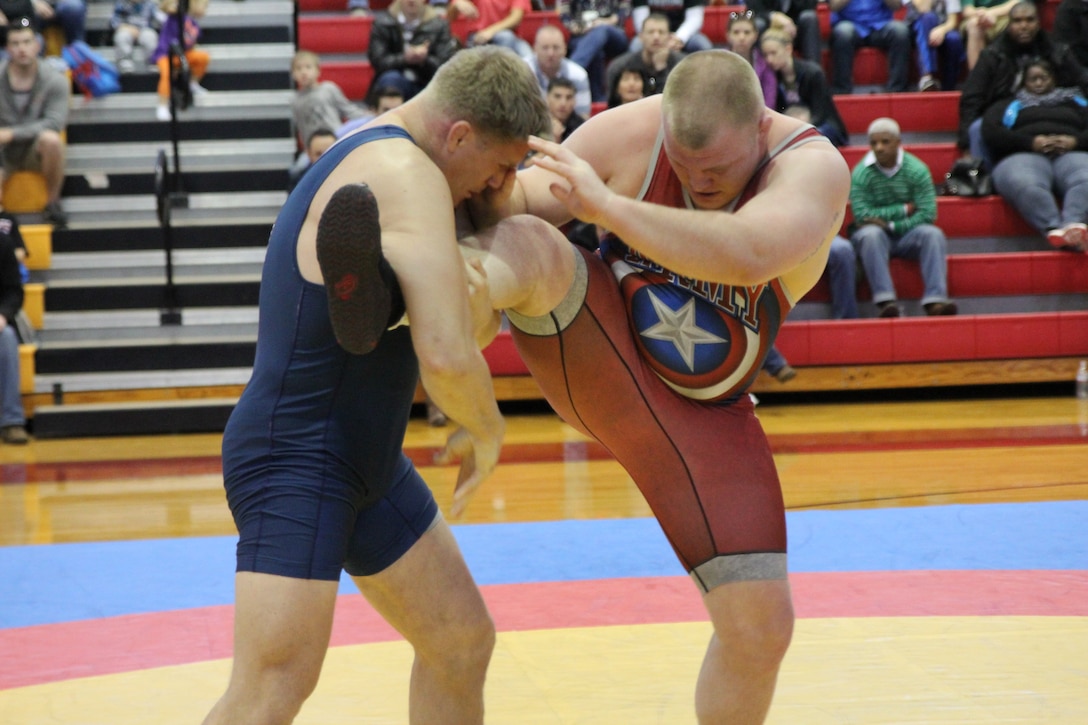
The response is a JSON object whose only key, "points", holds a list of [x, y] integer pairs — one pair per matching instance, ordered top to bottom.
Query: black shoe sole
{"points": [[349, 251]]}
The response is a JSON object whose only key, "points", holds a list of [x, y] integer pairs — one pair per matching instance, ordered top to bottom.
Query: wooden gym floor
{"points": [[939, 560]]}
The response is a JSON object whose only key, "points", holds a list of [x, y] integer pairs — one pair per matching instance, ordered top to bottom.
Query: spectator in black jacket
{"points": [[1071, 28], [408, 42], [1000, 66], [802, 88], [1039, 141], [12, 417]]}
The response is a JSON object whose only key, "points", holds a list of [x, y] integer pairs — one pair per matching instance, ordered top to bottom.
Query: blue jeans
{"points": [[71, 16], [893, 38], [509, 39], [593, 50], [944, 61], [396, 79], [1034, 183], [925, 243], [842, 278], [774, 361], [11, 401]]}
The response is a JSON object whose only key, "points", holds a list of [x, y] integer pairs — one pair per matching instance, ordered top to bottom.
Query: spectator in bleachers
{"points": [[359, 8], [70, 15], [685, 18], [796, 18], [496, 22], [983, 22], [134, 23], [856, 23], [1071, 27], [597, 36], [743, 38], [937, 40], [408, 43], [197, 58], [655, 58], [549, 61], [994, 78], [629, 85], [802, 89], [560, 98], [380, 100], [316, 104], [33, 115], [317, 143], [1039, 143], [895, 207], [12, 416]]}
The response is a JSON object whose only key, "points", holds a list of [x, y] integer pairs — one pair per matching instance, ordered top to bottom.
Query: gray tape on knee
{"points": [[560, 318], [725, 569]]}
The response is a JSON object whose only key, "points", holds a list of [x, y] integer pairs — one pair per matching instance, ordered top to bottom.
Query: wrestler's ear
{"points": [[764, 125], [461, 134]]}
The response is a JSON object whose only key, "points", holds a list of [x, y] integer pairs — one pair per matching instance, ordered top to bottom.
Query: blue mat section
{"points": [[65, 582]]}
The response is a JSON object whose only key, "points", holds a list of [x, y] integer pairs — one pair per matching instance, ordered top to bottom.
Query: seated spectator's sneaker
{"points": [[126, 66], [929, 83], [197, 89], [162, 112], [54, 214], [1076, 236], [1056, 237], [363, 295], [887, 309], [936, 309], [785, 374], [14, 435]]}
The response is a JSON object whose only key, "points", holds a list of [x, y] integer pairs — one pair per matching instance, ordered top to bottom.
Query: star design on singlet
{"points": [[679, 328]]}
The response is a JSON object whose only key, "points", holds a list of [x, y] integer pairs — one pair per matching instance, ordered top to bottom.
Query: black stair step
{"points": [[99, 37], [215, 81], [139, 129], [197, 182], [127, 239], [145, 295], [151, 355], [152, 418]]}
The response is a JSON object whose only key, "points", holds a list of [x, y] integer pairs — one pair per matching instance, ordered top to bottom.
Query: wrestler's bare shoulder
{"points": [[619, 137]]}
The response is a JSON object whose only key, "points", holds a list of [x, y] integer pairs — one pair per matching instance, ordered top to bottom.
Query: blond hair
{"points": [[306, 55], [494, 90], [706, 91]]}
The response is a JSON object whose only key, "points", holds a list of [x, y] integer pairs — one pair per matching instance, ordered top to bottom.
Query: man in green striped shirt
{"points": [[894, 205]]}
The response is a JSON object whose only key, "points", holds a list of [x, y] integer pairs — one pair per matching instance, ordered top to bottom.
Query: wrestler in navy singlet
{"points": [[655, 366], [312, 459]]}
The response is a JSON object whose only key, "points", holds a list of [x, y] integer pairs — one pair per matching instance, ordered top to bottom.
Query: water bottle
{"points": [[1082, 380]]}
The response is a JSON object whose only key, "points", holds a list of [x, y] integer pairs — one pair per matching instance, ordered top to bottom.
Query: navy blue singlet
{"points": [[315, 440]]}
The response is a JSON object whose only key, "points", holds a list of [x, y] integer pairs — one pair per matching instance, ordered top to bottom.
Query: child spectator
{"points": [[134, 22], [188, 32], [317, 104]]}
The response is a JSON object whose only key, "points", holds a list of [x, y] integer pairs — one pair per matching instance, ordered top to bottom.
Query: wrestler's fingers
{"points": [[468, 480]]}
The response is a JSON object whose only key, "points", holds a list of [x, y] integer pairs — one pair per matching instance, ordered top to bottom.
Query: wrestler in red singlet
{"points": [[670, 359]]}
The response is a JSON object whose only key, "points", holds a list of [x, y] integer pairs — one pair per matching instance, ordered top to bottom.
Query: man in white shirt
{"points": [[550, 61]]}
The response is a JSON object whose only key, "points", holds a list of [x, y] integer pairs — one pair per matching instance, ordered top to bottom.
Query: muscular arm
{"points": [[753, 245]]}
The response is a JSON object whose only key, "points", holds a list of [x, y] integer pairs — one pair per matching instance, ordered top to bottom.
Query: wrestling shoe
{"points": [[363, 295]]}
